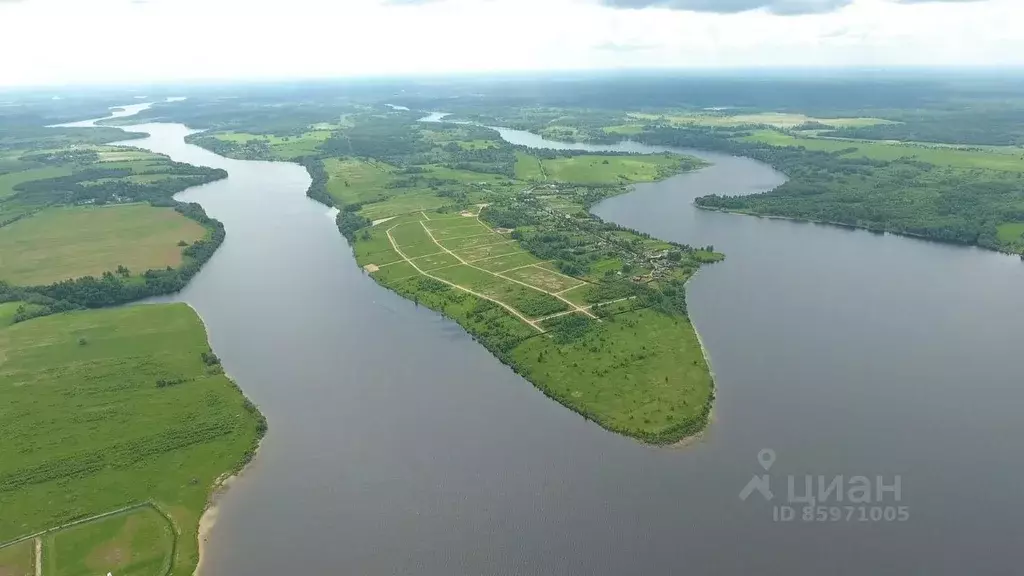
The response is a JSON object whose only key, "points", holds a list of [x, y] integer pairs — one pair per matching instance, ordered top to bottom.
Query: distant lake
{"points": [[397, 445]]}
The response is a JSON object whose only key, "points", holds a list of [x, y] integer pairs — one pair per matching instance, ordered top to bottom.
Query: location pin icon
{"points": [[766, 458]]}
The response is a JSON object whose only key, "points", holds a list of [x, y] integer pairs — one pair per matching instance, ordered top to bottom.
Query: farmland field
{"points": [[776, 119], [1007, 159], [588, 169], [70, 242], [109, 408], [135, 543], [18, 559]]}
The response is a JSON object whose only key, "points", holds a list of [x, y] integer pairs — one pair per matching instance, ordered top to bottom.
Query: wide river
{"points": [[397, 445]]}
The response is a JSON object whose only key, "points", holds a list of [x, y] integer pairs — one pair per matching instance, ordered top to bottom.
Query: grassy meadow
{"points": [[784, 120], [1006, 159], [600, 170], [69, 242], [641, 373], [107, 408], [137, 543]]}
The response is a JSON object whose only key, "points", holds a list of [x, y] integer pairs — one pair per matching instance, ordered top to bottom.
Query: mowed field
{"points": [[776, 119], [286, 147], [609, 169], [69, 242], [104, 409], [136, 543]]}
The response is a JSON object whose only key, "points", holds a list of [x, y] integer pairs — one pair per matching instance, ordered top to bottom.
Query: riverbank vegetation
{"points": [[105, 409]]}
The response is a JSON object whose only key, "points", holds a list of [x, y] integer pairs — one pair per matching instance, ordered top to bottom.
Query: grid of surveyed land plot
{"points": [[465, 253]]}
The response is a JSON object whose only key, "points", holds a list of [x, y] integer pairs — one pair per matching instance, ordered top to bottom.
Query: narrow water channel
{"points": [[397, 445]]}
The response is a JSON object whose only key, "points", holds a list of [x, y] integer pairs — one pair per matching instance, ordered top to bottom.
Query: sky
{"points": [[62, 42]]}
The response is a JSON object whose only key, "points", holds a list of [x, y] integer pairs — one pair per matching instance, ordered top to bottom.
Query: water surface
{"points": [[397, 445]]}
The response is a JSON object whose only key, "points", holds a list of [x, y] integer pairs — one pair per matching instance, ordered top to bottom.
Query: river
{"points": [[397, 445]]}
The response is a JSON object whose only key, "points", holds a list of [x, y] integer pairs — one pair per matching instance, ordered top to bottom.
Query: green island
{"points": [[499, 238], [117, 422]]}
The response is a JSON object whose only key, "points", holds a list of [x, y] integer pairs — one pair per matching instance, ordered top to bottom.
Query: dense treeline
{"points": [[388, 139], [104, 185], [901, 196]]}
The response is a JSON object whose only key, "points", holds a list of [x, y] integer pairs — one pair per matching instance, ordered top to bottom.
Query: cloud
{"points": [[936, 1], [781, 7], [625, 47]]}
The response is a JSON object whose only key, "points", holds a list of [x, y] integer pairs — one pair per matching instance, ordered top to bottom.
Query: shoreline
{"points": [[910, 235], [698, 436], [220, 486], [208, 519]]}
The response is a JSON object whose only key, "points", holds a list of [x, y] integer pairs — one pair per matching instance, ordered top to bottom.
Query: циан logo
{"points": [[830, 498]]}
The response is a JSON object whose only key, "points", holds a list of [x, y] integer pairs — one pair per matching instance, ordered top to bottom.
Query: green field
{"points": [[776, 119], [284, 147], [1007, 160], [528, 167], [588, 169], [354, 181], [404, 204], [1011, 233], [70, 242], [642, 374], [108, 408], [136, 543]]}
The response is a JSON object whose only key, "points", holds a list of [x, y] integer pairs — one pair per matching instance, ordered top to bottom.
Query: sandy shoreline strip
{"points": [[209, 518]]}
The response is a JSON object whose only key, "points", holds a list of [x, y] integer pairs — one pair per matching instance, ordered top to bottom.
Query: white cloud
{"points": [[103, 41]]}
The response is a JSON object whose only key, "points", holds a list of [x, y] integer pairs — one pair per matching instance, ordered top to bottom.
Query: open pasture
{"points": [[776, 119], [877, 150], [597, 170], [407, 203], [464, 229], [480, 238], [69, 242], [483, 253], [434, 261], [507, 261], [546, 280], [110, 408], [137, 543]]}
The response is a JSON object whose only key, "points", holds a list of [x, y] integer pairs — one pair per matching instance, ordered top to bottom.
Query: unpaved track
{"points": [[573, 307], [512, 310]]}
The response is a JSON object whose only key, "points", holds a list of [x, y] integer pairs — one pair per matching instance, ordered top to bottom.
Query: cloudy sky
{"points": [[105, 41]]}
